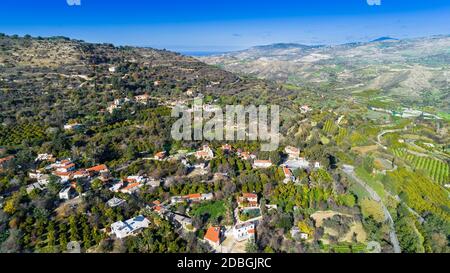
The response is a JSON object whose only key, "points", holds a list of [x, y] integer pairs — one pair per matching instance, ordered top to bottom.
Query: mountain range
{"points": [[411, 70]]}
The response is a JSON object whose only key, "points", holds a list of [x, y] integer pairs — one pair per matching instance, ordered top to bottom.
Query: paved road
{"points": [[387, 132], [387, 215]]}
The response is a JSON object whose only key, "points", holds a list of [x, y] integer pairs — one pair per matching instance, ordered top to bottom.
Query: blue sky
{"points": [[194, 25]]}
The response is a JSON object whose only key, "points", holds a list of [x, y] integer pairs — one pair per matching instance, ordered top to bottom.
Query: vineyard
{"points": [[329, 127], [342, 134], [15, 135], [436, 169]]}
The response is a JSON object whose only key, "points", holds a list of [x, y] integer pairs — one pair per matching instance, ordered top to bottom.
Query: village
{"points": [[75, 182]]}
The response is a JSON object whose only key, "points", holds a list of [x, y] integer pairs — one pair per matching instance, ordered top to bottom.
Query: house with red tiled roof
{"points": [[205, 153], [160, 155], [4, 160], [98, 169], [80, 174], [65, 176], [288, 176], [131, 188], [197, 197], [248, 201], [213, 235]]}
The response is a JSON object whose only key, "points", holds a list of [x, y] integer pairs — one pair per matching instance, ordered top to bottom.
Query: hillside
{"points": [[410, 70], [41, 75]]}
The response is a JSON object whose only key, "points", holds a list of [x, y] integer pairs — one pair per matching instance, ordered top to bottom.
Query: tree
{"points": [[371, 208], [251, 247]]}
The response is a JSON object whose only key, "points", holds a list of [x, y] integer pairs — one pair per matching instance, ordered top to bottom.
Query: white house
{"points": [[73, 126], [205, 153], [44, 157], [299, 163], [63, 166], [116, 186], [67, 193], [114, 202], [129, 227], [244, 231]]}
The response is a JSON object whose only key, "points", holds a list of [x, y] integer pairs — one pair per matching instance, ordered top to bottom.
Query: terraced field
{"points": [[329, 127], [438, 170]]}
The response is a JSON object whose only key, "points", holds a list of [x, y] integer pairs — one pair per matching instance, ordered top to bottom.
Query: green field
{"points": [[435, 169], [372, 181], [215, 209], [345, 248]]}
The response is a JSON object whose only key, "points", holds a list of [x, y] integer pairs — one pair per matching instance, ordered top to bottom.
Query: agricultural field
{"points": [[329, 127], [16, 134], [435, 169]]}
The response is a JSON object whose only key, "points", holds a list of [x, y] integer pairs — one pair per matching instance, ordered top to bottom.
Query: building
{"points": [[112, 69], [142, 98], [305, 109], [72, 126], [227, 148], [292, 152], [205, 153], [160, 155], [245, 155], [44, 157], [5, 160], [299, 163], [262, 164], [65, 165], [317, 165], [98, 169], [80, 174], [64, 176], [288, 176], [43, 179], [135, 179], [153, 182], [34, 186], [116, 186], [131, 188], [67, 193], [197, 197], [248, 200], [114, 202], [184, 221], [130, 227], [244, 231], [296, 233], [213, 235]]}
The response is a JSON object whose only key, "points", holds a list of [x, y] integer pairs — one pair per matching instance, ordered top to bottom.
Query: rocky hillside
{"points": [[49, 78]]}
